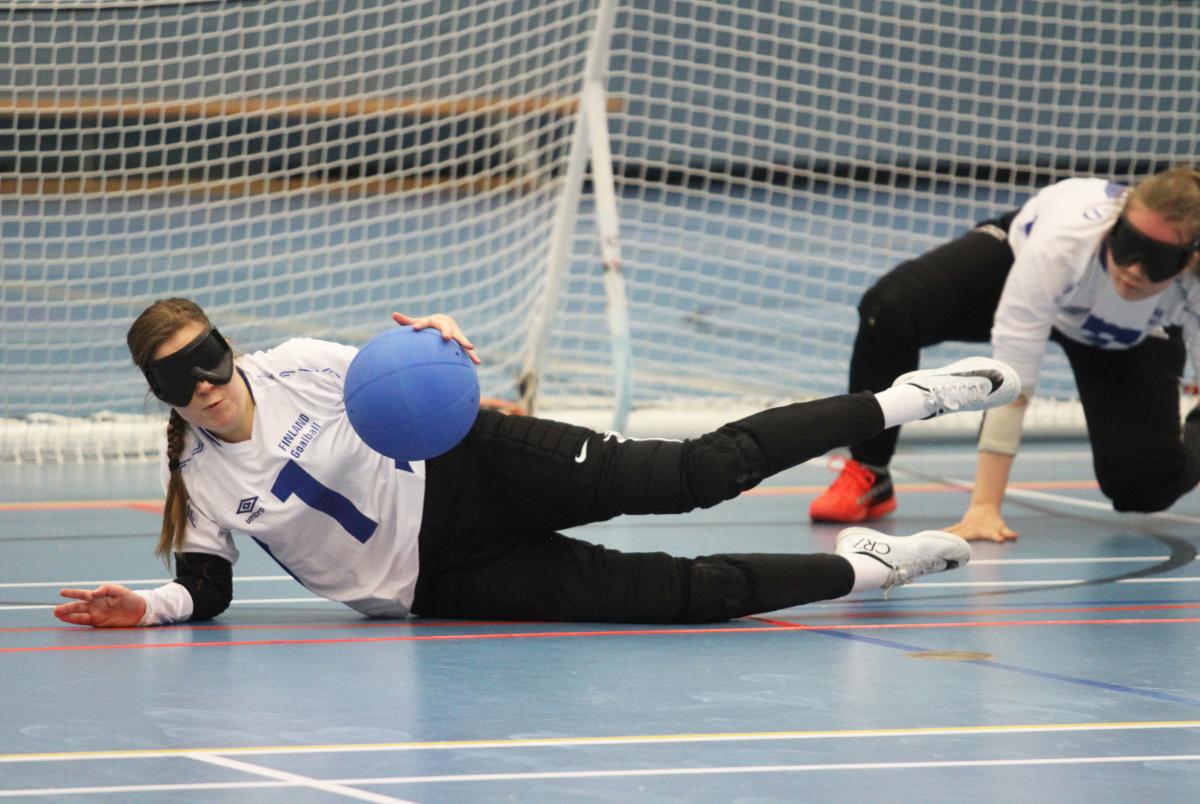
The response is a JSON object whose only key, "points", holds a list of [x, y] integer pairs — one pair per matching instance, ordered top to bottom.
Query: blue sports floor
{"points": [[1064, 667]]}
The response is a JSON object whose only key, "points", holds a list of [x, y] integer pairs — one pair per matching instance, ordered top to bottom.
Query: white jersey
{"points": [[1059, 279], [338, 516]]}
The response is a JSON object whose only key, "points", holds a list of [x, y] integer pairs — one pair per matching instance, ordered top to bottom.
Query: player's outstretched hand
{"points": [[443, 324], [983, 523], [109, 605]]}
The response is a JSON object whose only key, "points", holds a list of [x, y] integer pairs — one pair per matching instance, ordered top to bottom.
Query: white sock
{"points": [[901, 404], [869, 572]]}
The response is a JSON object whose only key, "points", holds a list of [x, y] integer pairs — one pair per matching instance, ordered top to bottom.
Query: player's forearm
{"points": [[991, 478], [169, 603]]}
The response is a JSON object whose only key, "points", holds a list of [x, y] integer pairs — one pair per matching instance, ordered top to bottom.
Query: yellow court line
{"points": [[558, 742]]}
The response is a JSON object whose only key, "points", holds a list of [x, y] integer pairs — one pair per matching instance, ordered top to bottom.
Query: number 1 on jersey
{"points": [[294, 480]]}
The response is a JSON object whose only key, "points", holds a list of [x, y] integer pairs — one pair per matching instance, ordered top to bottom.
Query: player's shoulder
{"points": [[1089, 185], [1083, 198], [1082, 208], [1187, 285], [303, 348], [300, 356]]}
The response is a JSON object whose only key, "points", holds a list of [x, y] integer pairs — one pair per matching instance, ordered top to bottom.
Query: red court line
{"points": [[149, 506], [156, 506], [770, 625]]}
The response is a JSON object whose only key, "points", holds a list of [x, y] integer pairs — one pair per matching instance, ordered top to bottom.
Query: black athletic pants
{"points": [[1130, 397], [490, 545]]}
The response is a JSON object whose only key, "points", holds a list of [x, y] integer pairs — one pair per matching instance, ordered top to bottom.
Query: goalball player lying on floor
{"points": [[475, 532]]}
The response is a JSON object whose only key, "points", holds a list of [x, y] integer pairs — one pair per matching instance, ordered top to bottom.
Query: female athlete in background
{"points": [[1106, 272]]}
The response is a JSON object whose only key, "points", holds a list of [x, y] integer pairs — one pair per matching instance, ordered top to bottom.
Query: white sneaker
{"points": [[976, 383], [908, 557]]}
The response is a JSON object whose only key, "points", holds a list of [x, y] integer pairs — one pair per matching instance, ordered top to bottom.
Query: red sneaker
{"points": [[857, 495]]}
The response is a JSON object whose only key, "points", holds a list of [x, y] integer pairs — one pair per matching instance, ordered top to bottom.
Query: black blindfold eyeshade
{"points": [[1159, 260], [173, 378]]}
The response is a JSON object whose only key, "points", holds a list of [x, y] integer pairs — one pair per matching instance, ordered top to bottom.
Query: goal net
{"points": [[306, 168]]}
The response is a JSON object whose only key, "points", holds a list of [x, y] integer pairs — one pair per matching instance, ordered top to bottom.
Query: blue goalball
{"points": [[410, 395]]}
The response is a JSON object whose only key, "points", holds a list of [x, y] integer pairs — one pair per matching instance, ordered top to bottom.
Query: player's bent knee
{"points": [[886, 310], [721, 465], [1141, 489], [1139, 501]]}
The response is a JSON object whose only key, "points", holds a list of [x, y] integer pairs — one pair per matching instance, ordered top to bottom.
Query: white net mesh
{"points": [[777, 160], [296, 168], [305, 168]]}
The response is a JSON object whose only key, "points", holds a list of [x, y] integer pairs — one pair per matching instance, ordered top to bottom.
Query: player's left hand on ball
{"points": [[444, 324]]}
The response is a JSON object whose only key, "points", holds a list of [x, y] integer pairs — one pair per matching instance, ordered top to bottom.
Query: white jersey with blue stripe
{"points": [[1059, 279], [338, 516]]}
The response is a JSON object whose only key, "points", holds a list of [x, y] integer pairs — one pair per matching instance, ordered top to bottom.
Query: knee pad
{"points": [[721, 465]]}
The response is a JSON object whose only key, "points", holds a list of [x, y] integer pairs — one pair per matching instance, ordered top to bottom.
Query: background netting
{"points": [[305, 168]]}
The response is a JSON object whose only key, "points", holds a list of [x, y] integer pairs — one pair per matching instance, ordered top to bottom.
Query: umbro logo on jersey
{"points": [[250, 506]]}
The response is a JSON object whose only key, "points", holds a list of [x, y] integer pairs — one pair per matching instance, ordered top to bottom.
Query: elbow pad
{"points": [[209, 581]]}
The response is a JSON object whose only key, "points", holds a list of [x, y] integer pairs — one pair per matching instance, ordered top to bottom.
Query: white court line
{"points": [[972, 455], [1061, 499], [976, 562], [272, 578], [1053, 582], [919, 585], [846, 766], [729, 769], [338, 785], [325, 786], [30, 792]]}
